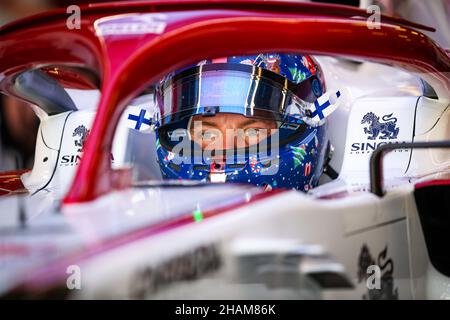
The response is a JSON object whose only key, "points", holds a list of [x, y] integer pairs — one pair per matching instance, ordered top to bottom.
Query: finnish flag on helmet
{"points": [[325, 105], [139, 118]]}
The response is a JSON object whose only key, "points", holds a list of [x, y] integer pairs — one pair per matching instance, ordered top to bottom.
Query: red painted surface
{"points": [[111, 8], [196, 30], [443, 182], [11, 184], [53, 275]]}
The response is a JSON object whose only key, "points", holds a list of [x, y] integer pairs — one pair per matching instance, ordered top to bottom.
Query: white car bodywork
{"points": [[286, 245]]}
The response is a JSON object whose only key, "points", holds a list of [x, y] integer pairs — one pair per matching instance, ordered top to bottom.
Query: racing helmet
{"points": [[283, 140]]}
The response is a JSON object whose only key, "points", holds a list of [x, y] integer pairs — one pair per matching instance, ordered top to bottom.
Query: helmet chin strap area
{"points": [[217, 172], [217, 177]]}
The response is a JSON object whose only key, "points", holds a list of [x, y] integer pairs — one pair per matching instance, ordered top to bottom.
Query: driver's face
{"points": [[227, 130]]}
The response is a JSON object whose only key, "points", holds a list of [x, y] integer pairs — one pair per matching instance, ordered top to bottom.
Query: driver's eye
{"points": [[253, 132], [210, 134]]}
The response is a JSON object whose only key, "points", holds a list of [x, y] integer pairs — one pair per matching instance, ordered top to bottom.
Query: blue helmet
{"points": [[282, 88]]}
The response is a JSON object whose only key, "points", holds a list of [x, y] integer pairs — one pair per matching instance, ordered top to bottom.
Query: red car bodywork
{"points": [[195, 30], [123, 65], [10, 183]]}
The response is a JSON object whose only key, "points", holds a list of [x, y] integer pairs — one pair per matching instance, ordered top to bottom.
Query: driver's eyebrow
{"points": [[251, 121], [247, 122], [204, 123], [207, 123]]}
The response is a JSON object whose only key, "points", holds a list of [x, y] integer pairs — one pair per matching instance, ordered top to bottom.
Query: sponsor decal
{"points": [[133, 25], [386, 129], [379, 132], [80, 134], [368, 147], [70, 159], [189, 266], [385, 290]]}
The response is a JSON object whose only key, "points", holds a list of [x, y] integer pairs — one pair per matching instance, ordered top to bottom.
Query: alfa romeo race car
{"points": [[94, 218]]}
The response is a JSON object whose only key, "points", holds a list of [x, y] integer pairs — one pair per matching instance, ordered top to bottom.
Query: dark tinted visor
{"points": [[232, 88]]}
